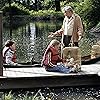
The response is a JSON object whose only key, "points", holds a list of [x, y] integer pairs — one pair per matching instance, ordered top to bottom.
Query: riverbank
{"points": [[20, 20]]}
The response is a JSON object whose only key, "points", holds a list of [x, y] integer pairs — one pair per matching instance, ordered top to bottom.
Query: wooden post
{"points": [[1, 59]]}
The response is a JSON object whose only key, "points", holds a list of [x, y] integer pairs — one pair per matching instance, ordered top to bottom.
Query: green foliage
{"points": [[2, 3], [48, 4], [16, 9], [19, 9], [84, 10], [89, 10], [46, 14], [94, 17], [98, 25], [8, 96], [23, 96]]}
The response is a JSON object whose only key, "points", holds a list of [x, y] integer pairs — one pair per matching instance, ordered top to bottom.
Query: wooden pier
{"points": [[37, 77]]}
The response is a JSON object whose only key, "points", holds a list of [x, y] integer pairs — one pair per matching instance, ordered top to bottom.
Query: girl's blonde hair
{"points": [[54, 42]]}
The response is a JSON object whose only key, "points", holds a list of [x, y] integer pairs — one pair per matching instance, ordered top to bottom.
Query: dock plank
{"points": [[91, 69], [28, 72], [34, 72], [24, 78]]}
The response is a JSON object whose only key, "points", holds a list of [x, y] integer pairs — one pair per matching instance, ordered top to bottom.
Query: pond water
{"points": [[32, 39]]}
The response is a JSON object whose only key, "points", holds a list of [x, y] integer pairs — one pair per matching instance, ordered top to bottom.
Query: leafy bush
{"points": [[48, 4], [16, 9], [88, 10], [46, 14]]}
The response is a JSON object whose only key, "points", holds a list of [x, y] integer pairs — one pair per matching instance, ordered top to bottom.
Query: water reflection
{"points": [[32, 39]]}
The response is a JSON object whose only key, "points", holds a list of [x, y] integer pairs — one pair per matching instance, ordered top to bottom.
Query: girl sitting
{"points": [[9, 56], [52, 61]]}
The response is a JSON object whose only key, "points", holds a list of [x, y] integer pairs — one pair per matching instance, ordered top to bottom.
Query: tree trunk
{"points": [[57, 5], [36, 8], [10, 18], [1, 59]]}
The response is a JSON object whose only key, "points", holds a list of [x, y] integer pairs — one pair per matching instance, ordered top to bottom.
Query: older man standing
{"points": [[72, 28]]}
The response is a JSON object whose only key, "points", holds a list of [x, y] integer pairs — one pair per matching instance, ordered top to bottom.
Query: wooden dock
{"points": [[37, 77]]}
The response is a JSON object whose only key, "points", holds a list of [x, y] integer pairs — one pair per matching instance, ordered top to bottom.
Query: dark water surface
{"points": [[31, 39]]}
